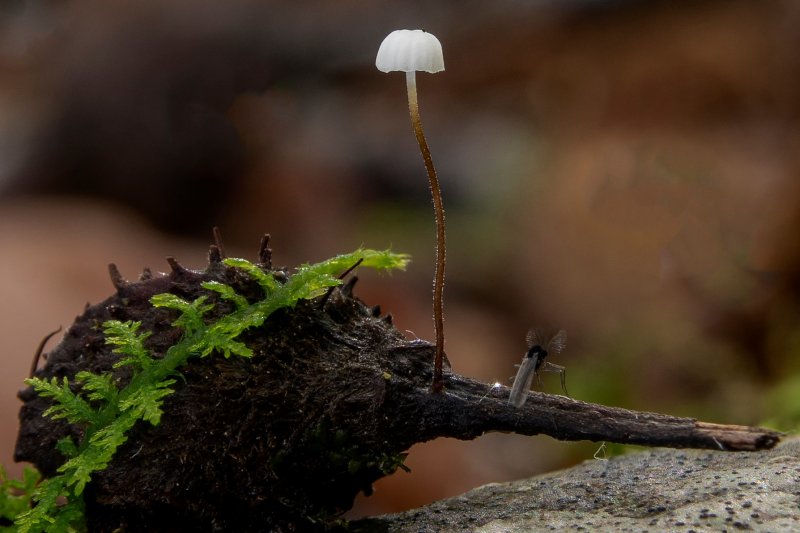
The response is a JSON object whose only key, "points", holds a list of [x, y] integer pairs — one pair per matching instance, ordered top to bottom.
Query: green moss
{"points": [[15, 496]]}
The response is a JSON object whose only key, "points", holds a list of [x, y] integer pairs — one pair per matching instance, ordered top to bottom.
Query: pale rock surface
{"points": [[659, 490]]}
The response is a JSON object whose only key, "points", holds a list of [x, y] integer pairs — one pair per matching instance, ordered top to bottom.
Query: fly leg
{"points": [[551, 367]]}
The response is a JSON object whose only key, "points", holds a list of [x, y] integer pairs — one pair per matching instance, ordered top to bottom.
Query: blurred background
{"points": [[626, 170]]}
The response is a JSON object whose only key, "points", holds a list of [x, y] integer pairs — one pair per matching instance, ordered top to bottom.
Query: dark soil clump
{"points": [[282, 441]]}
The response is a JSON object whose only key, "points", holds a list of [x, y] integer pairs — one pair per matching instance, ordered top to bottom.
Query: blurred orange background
{"points": [[626, 170]]}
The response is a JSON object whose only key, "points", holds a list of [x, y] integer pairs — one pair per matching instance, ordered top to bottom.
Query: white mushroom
{"points": [[409, 51]]}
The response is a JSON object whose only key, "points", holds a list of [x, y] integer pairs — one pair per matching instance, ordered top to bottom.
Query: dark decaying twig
{"points": [[218, 241], [265, 252], [343, 275], [39, 350], [331, 401], [567, 419]]}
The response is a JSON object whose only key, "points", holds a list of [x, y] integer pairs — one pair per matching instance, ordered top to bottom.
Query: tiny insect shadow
{"points": [[540, 345]]}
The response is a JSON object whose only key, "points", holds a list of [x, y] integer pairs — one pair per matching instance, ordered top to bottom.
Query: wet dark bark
{"points": [[330, 402]]}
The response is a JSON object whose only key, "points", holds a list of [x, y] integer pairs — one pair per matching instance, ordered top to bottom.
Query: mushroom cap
{"points": [[410, 50]]}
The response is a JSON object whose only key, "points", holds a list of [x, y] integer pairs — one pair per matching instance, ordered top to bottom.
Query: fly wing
{"points": [[536, 336], [554, 343], [557, 343], [522, 382]]}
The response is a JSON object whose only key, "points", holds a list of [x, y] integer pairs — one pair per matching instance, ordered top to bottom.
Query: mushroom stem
{"points": [[438, 207]]}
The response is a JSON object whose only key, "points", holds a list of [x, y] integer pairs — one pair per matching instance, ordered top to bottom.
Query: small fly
{"points": [[540, 345]]}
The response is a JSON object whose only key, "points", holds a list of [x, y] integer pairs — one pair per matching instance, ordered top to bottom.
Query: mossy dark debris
{"points": [[331, 400], [282, 441]]}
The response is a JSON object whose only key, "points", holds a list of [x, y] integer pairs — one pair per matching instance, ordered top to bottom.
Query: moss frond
{"points": [[191, 313], [129, 342], [98, 387], [66, 404], [15, 495]]}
